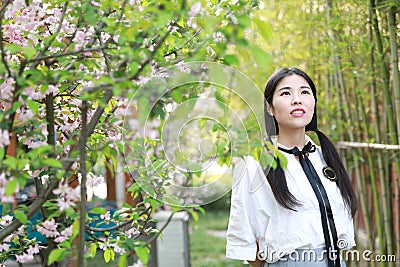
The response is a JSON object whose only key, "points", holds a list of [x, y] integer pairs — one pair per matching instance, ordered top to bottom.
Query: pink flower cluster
{"points": [[26, 19], [32, 22], [6, 89], [4, 138], [68, 196], [49, 229], [117, 249], [28, 255]]}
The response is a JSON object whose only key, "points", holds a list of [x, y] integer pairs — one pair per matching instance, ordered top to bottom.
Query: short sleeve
{"points": [[241, 241]]}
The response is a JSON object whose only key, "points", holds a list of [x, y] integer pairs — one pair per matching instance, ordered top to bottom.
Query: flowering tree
{"points": [[68, 69]]}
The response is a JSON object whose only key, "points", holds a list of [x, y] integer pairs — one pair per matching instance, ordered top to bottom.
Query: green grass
{"points": [[207, 250]]}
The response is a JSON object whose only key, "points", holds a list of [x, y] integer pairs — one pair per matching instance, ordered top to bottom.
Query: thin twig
{"points": [[182, 46], [64, 54], [162, 229]]}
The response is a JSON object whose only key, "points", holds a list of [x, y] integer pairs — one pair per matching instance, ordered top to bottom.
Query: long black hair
{"points": [[276, 177]]}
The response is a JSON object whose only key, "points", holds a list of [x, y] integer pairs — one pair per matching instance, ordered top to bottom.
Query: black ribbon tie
{"points": [[328, 223]]}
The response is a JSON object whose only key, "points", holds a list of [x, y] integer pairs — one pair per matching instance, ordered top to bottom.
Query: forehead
{"points": [[292, 81]]}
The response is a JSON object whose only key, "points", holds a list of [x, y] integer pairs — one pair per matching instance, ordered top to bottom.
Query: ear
{"points": [[270, 110]]}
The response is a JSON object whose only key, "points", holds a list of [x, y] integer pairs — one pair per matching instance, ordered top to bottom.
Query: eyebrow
{"points": [[288, 87]]}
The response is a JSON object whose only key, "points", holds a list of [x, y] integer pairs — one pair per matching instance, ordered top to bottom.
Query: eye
{"points": [[306, 92], [285, 93]]}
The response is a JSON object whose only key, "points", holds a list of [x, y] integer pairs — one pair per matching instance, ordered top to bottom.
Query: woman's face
{"points": [[292, 103]]}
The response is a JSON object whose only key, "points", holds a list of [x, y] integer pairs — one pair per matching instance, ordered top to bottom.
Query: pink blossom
{"points": [[16, 6], [195, 9], [6, 88], [52, 89], [33, 93], [25, 114], [4, 138], [33, 143], [93, 180], [3, 182], [68, 192], [68, 196], [65, 204], [106, 216], [6, 220], [49, 228], [133, 232], [65, 234], [60, 239], [103, 246], [4, 247], [33, 249], [118, 249], [24, 258], [137, 264]]}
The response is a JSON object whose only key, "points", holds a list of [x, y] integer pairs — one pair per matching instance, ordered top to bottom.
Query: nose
{"points": [[296, 99]]}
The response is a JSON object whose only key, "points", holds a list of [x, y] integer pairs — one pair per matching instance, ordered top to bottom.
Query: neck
{"points": [[292, 137]]}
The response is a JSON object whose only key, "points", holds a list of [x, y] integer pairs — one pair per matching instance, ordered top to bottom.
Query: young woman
{"points": [[301, 215]]}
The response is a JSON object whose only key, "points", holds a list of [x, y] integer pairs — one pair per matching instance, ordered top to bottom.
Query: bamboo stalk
{"points": [[395, 73], [347, 144], [385, 194]]}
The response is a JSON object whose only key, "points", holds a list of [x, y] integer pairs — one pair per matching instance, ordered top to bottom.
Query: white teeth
{"points": [[297, 112]]}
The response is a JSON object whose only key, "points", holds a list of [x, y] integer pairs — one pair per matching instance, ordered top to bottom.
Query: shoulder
{"points": [[249, 173]]}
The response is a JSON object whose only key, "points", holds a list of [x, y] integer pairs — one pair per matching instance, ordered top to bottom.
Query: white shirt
{"points": [[256, 217]]}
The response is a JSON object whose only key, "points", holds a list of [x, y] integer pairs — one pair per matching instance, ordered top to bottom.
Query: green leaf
{"points": [[264, 29], [29, 52], [262, 58], [231, 60], [176, 95], [34, 106], [144, 107], [215, 127], [266, 160], [283, 161], [51, 162], [11, 186], [98, 210], [194, 214], [21, 216], [75, 228], [93, 250], [143, 254], [56, 255], [109, 255], [122, 261]]}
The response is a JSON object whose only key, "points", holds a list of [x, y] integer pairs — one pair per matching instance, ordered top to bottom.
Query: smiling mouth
{"points": [[297, 112]]}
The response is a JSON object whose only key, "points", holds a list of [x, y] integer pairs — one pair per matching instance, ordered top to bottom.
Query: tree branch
{"points": [[82, 206]]}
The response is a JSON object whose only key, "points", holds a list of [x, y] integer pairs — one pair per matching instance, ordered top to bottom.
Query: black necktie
{"points": [[323, 201]]}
